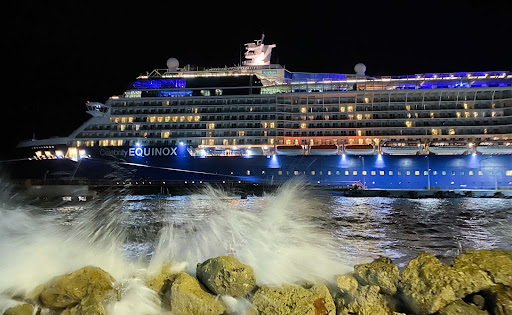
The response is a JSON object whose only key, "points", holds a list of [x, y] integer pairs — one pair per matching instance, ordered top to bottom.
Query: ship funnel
{"points": [[258, 54], [360, 69]]}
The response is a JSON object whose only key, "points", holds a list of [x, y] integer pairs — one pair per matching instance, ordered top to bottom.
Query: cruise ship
{"points": [[258, 122]]}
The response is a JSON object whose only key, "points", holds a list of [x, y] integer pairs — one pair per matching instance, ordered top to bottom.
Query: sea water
{"points": [[290, 235]]}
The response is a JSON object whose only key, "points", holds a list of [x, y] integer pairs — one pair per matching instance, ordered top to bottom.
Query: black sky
{"points": [[59, 54]]}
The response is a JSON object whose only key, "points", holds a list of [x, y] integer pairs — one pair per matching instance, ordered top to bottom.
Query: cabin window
{"points": [[248, 172], [262, 172], [279, 172], [295, 172], [312, 172], [328, 172], [337, 172], [346, 172], [373, 172], [381, 172], [390, 172], [416, 172], [434, 172], [453, 172], [461, 172], [354, 173], [364, 173], [408, 173], [443, 173], [470, 173], [482, 173], [508, 173]]}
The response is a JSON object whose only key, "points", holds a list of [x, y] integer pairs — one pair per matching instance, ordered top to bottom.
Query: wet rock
{"points": [[486, 267], [381, 272], [227, 276], [156, 280], [347, 284], [428, 285], [69, 289], [186, 296], [325, 298], [293, 299], [366, 300], [502, 300], [478, 301], [460, 308], [21, 309]]}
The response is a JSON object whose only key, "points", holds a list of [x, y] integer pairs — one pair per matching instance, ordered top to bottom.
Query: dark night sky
{"points": [[59, 54]]}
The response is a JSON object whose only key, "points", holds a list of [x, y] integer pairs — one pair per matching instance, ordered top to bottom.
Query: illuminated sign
{"points": [[269, 72], [140, 152]]}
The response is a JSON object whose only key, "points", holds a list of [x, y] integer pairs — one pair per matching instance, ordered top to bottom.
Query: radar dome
{"points": [[172, 64], [360, 69]]}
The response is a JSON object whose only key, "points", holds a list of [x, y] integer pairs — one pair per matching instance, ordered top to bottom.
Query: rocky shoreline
{"points": [[476, 282]]}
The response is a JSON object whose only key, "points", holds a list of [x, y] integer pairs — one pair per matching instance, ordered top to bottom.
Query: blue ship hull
{"points": [[175, 165]]}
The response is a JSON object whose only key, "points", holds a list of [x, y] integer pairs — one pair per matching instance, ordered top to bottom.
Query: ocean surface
{"points": [[286, 235]]}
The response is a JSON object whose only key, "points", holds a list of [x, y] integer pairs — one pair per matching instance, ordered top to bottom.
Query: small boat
{"points": [[401, 147], [448, 147], [495, 147], [326, 149], [359, 149], [289, 150]]}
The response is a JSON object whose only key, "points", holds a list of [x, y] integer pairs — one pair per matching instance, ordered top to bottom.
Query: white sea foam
{"points": [[278, 234]]}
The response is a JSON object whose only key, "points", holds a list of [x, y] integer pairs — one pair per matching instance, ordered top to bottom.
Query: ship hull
{"points": [[175, 165]]}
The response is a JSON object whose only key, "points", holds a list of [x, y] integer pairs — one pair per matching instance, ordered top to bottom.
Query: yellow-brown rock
{"points": [[70, 289]]}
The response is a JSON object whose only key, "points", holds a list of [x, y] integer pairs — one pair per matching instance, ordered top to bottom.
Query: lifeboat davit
{"points": [[401, 147], [448, 147], [495, 147], [326, 149], [359, 149], [289, 150]]}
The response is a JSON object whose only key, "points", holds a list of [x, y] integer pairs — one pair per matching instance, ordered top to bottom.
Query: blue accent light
{"points": [[316, 77], [159, 84], [164, 93], [274, 162]]}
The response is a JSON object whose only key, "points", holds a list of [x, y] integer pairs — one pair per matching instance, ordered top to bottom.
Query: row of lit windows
{"points": [[391, 173]]}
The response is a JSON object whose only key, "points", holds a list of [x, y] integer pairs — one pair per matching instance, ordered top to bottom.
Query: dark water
{"points": [[362, 228]]}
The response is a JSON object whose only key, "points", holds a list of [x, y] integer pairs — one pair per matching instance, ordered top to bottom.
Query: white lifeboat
{"points": [[401, 147], [448, 147], [495, 147], [326, 149], [359, 149], [289, 150]]}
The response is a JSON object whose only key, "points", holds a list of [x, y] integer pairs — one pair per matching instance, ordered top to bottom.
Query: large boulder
{"points": [[486, 267], [381, 272], [226, 275], [428, 285], [70, 289], [186, 296], [293, 299], [365, 300]]}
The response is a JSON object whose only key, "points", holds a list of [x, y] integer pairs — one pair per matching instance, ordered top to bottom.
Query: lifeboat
{"points": [[401, 147], [448, 147], [495, 147], [327, 149], [359, 149], [289, 150]]}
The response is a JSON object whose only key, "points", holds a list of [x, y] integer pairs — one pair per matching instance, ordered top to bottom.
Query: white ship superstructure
{"points": [[258, 106]]}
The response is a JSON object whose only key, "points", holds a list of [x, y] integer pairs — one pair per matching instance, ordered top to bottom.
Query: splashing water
{"points": [[278, 235]]}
